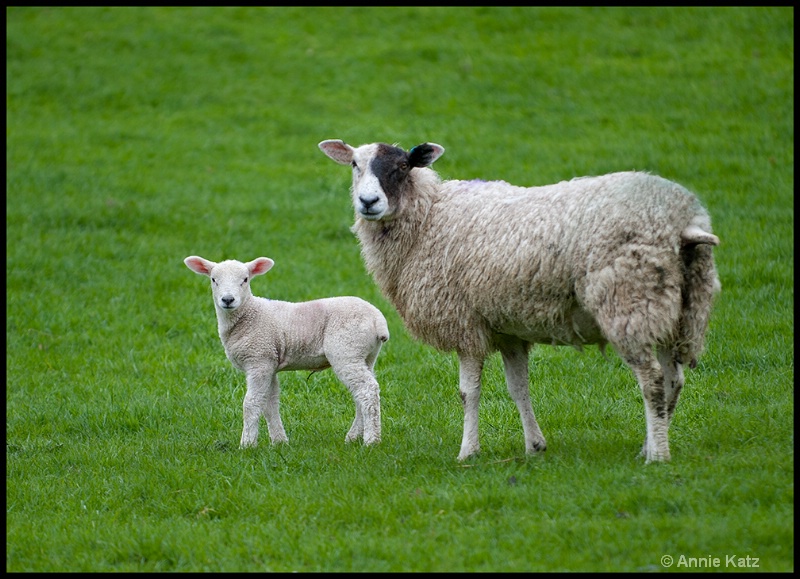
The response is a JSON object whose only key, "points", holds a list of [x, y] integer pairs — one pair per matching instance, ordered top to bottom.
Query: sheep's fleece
{"points": [[481, 266], [262, 337]]}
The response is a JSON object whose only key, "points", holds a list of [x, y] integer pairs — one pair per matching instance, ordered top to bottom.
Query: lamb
{"points": [[478, 267], [262, 337]]}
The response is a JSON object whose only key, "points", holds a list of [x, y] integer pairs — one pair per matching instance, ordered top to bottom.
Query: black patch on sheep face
{"points": [[391, 166]]}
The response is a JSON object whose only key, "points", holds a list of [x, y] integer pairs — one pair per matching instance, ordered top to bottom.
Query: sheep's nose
{"points": [[368, 202], [227, 301]]}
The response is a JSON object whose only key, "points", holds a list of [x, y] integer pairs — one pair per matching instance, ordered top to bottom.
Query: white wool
{"points": [[483, 266], [262, 337]]}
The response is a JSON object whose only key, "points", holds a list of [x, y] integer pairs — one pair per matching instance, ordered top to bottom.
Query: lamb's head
{"points": [[381, 173], [230, 280]]}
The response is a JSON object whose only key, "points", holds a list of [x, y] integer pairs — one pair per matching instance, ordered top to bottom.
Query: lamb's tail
{"points": [[701, 284], [382, 330]]}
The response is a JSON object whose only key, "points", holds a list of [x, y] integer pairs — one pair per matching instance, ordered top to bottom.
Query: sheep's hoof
{"points": [[654, 455], [662, 456]]}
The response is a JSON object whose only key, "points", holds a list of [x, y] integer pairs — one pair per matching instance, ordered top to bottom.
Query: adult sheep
{"points": [[481, 266]]}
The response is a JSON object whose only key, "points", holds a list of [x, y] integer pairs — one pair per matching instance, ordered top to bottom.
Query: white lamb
{"points": [[476, 267], [262, 337]]}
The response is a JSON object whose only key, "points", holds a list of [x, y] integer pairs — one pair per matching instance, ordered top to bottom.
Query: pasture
{"points": [[138, 136]]}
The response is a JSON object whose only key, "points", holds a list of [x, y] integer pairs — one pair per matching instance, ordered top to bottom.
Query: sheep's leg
{"points": [[515, 360], [650, 375], [469, 376], [673, 379], [673, 383], [365, 390], [255, 401], [272, 413]]}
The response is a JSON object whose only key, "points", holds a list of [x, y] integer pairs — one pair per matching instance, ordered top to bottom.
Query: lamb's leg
{"points": [[515, 360], [650, 375], [469, 376], [365, 390], [255, 401], [272, 413], [357, 428]]}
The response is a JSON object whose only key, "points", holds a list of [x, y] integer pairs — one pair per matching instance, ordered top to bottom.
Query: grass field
{"points": [[138, 136]]}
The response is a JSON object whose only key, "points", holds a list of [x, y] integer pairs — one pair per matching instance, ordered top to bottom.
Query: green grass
{"points": [[136, 137]]}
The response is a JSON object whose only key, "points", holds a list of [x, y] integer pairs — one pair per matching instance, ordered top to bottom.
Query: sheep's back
{"points": [[507, 259]]}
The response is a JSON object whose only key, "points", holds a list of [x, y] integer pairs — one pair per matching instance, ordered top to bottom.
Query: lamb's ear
{"points": [[337, 150], [425, 154], [199, 265], [260, 266]]}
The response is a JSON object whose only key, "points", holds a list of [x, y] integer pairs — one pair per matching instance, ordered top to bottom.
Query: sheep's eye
{"points": [[354, 164], [404, 166], [213, 280], [244, 281]]}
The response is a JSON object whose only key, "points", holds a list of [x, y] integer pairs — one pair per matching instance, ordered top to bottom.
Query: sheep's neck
{"points": [[386, 247]]}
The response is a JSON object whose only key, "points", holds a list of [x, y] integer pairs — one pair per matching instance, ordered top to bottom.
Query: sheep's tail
{"points": [[695, 235], [701, 284]]}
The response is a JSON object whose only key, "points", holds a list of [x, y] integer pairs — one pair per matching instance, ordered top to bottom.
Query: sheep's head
{"points": [[381, 173], [230, 280]]}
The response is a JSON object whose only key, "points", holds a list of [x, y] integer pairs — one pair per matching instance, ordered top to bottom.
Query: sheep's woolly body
{"points": [[529, 261], [477, 267], [262, 337]]}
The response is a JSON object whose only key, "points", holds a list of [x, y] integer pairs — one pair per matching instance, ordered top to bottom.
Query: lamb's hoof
{"points": [[536, 446], [465, 454]]}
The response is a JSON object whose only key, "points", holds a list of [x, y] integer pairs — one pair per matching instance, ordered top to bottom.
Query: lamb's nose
{"points": [[227, 301]]}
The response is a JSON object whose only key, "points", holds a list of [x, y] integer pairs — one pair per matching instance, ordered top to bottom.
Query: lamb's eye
{"points": [[354, 164], [404, 166], [213, 280], [244, 281]]}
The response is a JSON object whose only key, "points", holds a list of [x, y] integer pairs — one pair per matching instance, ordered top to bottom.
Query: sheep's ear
{"points": [[337, 150], [425, 154], [199, 265], [260, 266]]}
